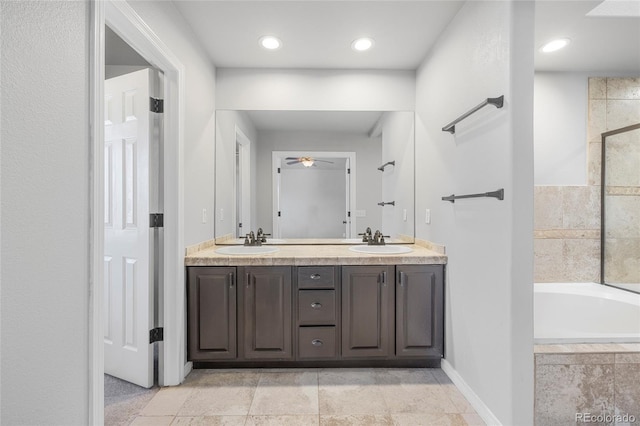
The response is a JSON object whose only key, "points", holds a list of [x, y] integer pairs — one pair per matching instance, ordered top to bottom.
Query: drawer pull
{"points": [[315, 276], [316, 305], [316, 342]]}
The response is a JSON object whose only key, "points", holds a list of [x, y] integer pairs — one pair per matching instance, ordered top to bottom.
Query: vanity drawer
{"points": [[316, 277], [316, 307], [316, 342]]}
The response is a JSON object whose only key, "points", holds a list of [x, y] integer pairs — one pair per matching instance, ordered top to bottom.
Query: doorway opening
{"points": [[313, 187], [172, 368]]}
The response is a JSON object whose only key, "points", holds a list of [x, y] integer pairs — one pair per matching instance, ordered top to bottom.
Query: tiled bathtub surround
{"points": [[567, 218], [567, 234], [594, 379]]}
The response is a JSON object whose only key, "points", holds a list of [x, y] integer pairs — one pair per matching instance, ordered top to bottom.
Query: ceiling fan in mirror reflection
{"points": [[306, 161]]}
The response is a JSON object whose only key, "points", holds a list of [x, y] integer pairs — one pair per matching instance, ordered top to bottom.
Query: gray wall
{"points": [[486, 51], [199, 121], [226, 122], [368, 157], [45, 171], [398, 181], [45, 217]]}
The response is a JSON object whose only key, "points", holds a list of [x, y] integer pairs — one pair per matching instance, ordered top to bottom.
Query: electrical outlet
{"points": [[204, 215], [404, 215], [427, 216]]}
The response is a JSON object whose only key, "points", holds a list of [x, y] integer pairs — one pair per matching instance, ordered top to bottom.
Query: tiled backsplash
{"points": [[567, 218]]}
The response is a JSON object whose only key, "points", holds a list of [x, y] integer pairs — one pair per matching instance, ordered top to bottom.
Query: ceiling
{"points": [[318, 33], [598, 44], [355, 122]]}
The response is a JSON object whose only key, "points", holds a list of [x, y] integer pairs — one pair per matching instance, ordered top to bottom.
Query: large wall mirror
{"points": [[314, 176]]}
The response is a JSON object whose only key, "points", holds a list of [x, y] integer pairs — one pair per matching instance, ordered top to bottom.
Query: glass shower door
{"points": [[621, 208]]}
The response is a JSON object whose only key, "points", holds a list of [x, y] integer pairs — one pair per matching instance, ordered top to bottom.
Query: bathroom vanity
{"points": [[315, 306]]}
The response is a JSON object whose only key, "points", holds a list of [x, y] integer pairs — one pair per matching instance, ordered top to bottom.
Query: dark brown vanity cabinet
{"points": [[211, 299], [367, 311], [419, 311], [266, 312], [317, 312], [342, 315]]}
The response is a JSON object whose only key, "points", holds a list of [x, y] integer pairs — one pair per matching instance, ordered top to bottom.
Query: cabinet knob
{"points": [[315, 276], [316, 305], [316, 342]]}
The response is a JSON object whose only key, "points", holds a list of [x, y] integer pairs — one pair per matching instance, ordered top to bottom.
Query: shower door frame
{"points": [[603, 193]]}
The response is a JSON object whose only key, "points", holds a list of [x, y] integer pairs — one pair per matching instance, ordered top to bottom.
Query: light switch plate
{"points": [[427, 216]]}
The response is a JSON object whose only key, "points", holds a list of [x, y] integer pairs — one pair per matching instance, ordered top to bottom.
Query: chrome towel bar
{"points": [[497, 102], [388, 163], [499, 194]]}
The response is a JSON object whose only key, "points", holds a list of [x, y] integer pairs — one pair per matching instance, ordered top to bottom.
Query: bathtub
{"points": [[584, 313]]}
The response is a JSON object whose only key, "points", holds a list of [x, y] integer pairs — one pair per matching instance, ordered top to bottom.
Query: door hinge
{"points": [[156, 105], [278, 169], [348, 171], [279, 214], [348, 214], [156, 220], [156, 335]]}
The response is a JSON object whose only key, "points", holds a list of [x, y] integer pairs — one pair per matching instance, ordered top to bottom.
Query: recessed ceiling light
{"points": [[270, 42], [362, 44], [554, 45]]}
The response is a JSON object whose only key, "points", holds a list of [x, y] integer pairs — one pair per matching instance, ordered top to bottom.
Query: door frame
{"points": [[123, 19], [277, 157]]}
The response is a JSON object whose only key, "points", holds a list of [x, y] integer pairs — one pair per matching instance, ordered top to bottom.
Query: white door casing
{"points": [[124, 20], [130, 193]]}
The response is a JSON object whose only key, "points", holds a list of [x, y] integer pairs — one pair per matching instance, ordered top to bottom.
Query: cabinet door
{"points": [[419, 310], [211, 311], [367, 311], [267, 312]]}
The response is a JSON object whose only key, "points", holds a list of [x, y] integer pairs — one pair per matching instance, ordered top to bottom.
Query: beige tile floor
{"points": [[301, 397]]}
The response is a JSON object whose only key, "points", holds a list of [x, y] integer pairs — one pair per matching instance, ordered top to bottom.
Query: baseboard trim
{"points": [[475, 401]]}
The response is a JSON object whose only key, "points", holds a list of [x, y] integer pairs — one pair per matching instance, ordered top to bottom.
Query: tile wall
{"points": [[567, 218], [591, 380]]}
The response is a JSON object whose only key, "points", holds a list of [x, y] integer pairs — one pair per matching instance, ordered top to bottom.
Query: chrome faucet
{"points": [[261, 236], [366, 237], [256, 239], [378, 239], [251, 240]]}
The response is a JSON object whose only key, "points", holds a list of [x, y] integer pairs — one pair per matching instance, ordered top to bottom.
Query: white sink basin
{"points": [[352, 240], [381, 249], [244, 250]]}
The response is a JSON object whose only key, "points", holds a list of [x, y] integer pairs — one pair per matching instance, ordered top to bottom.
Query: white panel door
{"points": [[128, 280]]}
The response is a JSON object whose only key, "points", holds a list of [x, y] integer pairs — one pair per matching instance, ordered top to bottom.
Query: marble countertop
{"points": [[300, 255]]}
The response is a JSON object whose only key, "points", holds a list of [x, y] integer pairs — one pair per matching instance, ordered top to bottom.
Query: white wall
{"points": [[485, 52], [341, 90], [199, 122], [560, 128], [368, 157], [398, 181], [45, 216]]}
